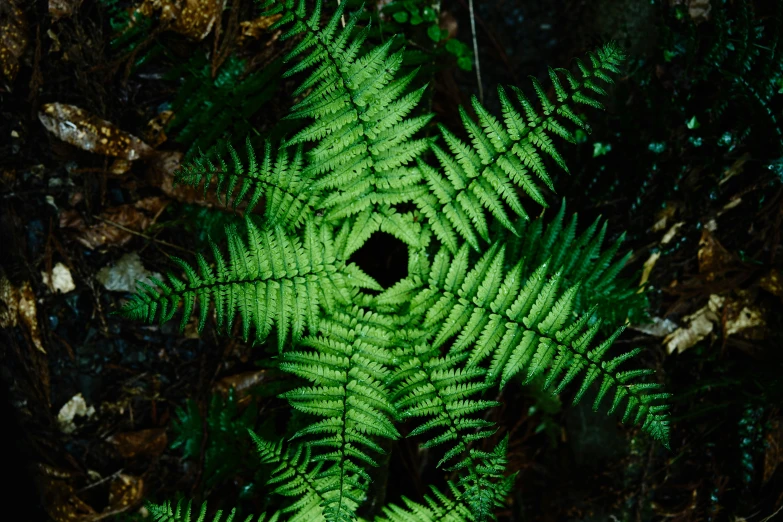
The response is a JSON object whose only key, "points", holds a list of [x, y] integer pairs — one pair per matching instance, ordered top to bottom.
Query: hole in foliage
{"points": [[384, 258]]}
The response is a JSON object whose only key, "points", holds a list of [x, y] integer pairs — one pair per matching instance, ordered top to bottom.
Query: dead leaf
{"points": [[63, 8], [699, 10], [191, 18], [253, 29], [13, 37], [88, 132], [155, 133], [736, 168], [113, 227], [669, 235], [713, 257], [648, 266], [123, 275], [60, 280], [772, 283], [27, 314], [745, 317], [700, 324], [241, 382], [75, 407], [147, 443], [124, 492], [60, 500]]}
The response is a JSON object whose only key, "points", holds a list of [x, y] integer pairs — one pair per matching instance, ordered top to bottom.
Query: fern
{"points": [[361, 130], [481, 176], [277, 181], [273, 279], [488, 296], [348, 366], [438, 508], [167, 513]]}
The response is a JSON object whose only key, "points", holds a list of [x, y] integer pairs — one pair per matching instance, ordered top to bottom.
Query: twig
{"points": [[475, 51], [145, 236]]}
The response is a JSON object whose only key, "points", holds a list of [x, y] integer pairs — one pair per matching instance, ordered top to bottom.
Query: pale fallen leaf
{"points": [[699, 10], [13, 37], [88, 132], [669, 235], [648, 266], [122, 276], [61, 280], [699, 325], [657, 327], [75, 407]]}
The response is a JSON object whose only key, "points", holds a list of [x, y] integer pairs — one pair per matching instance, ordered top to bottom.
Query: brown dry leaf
{"points": [[63, 8], [191, 18], [253, 29], [13, 37], [88, 132], [155, 133], [105, 231], [712, 255], [772, 283], [27, 314], [744, 317], [700, 324], [241, 382], [148, 443], [124, 492], [59, 497]]}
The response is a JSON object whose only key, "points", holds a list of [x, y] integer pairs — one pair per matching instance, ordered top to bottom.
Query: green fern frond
{"points": [[362, 130], [483, 175], [288, 196], [579, 258], [270, 279], [487, 312], [348, 364], [439, 391], [295, 476], [484, 486], [438, 508], [167, 513]]}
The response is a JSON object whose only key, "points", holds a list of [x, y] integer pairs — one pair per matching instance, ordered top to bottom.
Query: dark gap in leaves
{"points": [[384, 258]]}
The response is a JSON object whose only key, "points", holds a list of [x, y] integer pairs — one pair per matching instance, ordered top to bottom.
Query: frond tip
{"points": [[182, 513]]}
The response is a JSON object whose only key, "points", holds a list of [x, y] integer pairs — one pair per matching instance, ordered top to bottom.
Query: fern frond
{"points": [[362, 130], [481, 177], [287, 195], [578, 258], [270, 279], [486, 312], [348, 365], [440, 392], [295, 476], [483, 485], [437, 508], [182, 513]]}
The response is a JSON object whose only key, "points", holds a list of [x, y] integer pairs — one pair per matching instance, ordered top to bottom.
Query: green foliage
{"points": [[208, 109], [488, 298], [225, 428], [167, 513]]}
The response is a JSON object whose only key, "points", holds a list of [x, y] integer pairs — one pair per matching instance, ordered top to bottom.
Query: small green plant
{"points": [[489, 296]]}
